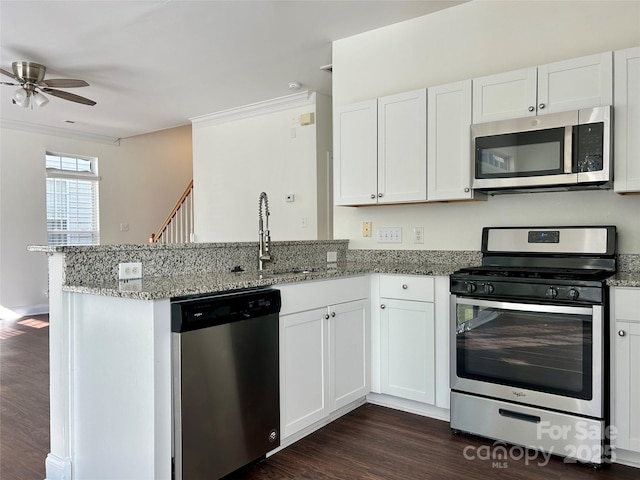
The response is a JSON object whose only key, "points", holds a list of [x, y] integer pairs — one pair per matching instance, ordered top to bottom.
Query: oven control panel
{"points": [[527, 290]]}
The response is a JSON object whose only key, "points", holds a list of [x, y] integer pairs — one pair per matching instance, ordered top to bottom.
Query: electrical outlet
{"points": [[366, 229], [418, 234], [389, 235], [332, 257], [129, 270]]}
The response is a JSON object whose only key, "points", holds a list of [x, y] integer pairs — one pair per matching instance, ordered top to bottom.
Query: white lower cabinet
{"points": [[407, 350], [324, 351], [348, 353], [304, 357], [626, 357], [412, 362]]}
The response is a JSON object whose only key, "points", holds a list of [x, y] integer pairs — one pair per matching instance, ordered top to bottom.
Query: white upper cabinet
{"points": [[582, 82], [504, 95], [627, 121], [449, 146], [402, 147], [380, 150], [355, 154]]}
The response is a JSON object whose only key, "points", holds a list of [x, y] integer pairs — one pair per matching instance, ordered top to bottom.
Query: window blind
{"points": [[72, 201]]}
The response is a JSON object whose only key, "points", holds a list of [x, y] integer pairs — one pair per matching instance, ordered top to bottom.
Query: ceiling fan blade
{"points": [[9, 74], [63, 83], [10, 84], [68, 96]]}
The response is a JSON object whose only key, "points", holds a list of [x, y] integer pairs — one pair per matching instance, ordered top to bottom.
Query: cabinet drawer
{"points": [[407, 287], [298, 297], [627, 303]]}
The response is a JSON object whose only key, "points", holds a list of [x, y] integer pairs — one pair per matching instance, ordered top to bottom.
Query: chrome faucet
{"points": [[263, 233]]}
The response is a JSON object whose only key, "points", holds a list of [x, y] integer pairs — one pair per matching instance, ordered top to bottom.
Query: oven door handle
{"points": [[528, 307]]}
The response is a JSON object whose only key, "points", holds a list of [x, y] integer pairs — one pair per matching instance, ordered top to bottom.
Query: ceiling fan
{"points": [[30, 78]]}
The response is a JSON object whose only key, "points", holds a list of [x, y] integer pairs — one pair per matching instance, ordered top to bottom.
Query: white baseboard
{"points": [[27, 310], [409, 406], [626, 457], [57, 468]]}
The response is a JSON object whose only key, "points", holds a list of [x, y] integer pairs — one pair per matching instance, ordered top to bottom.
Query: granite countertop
{"points": [[625, 279], [154, 288]]}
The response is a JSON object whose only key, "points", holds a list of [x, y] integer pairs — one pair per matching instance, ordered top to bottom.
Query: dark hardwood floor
{"points": [[24, 398], [370, 443], [378, 443]]}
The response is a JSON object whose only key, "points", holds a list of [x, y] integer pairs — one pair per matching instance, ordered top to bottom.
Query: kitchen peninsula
{"points": [[110, 361]]}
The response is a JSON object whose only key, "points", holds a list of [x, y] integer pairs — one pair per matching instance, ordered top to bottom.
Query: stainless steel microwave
{"points": [[560, 151]]}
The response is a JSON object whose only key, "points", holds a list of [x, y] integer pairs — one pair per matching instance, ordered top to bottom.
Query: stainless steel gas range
{"points": [[529, 356]]}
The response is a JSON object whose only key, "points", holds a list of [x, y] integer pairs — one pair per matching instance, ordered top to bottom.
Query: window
{"points": [[72, 200]]}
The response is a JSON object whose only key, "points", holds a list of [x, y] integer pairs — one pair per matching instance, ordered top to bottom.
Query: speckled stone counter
{"points": [[84, 264], [171, 271], [628, 272], [625, 279], [153, 288]]}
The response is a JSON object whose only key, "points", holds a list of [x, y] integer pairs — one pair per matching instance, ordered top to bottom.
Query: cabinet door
{"points": [[583, 82], [504, 95], [627, 121], [449, 142], [402, 147], [355, 154], [349, 340], [407, 350], [304, 360], [627, 385]]}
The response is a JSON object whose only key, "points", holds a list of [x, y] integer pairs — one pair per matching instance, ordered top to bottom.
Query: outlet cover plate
{"points": [[130, 270]]}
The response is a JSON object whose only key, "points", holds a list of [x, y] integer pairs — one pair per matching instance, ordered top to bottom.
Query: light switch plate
{"points": [[389, 235]]}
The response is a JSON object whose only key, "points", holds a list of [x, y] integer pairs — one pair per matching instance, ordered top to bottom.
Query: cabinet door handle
{"points": [[541, 106], [531, 108], [466, 190], [373, 195], [379, 195], [405, 286], [383, 306], [333, 314], [326, 316], [622, 333]]}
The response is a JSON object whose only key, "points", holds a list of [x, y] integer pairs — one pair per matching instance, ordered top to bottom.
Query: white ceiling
{"points": [[152, 64]]}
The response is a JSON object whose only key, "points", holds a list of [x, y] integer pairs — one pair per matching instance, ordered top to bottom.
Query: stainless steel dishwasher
{"points": [[226, 396]]}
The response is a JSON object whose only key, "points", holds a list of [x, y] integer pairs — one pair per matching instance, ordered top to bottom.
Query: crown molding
{"points": [[253, 110], [58, 132]]}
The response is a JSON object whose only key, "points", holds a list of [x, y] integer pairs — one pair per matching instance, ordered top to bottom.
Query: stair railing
{"points": [[178, 226]]}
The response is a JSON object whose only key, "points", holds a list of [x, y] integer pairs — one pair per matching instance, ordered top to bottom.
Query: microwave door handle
{"points": [[568, 150]]}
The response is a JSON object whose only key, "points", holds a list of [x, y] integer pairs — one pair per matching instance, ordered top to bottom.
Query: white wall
{"points": [[466, 41], [234, 159], [140, 182]]}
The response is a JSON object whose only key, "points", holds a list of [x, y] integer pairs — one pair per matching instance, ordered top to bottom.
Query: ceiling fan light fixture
{"points": [[21, 97], [39, 99]]}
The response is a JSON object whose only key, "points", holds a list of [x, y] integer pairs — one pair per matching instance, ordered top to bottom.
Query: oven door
{"points": [[544, 355]]}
